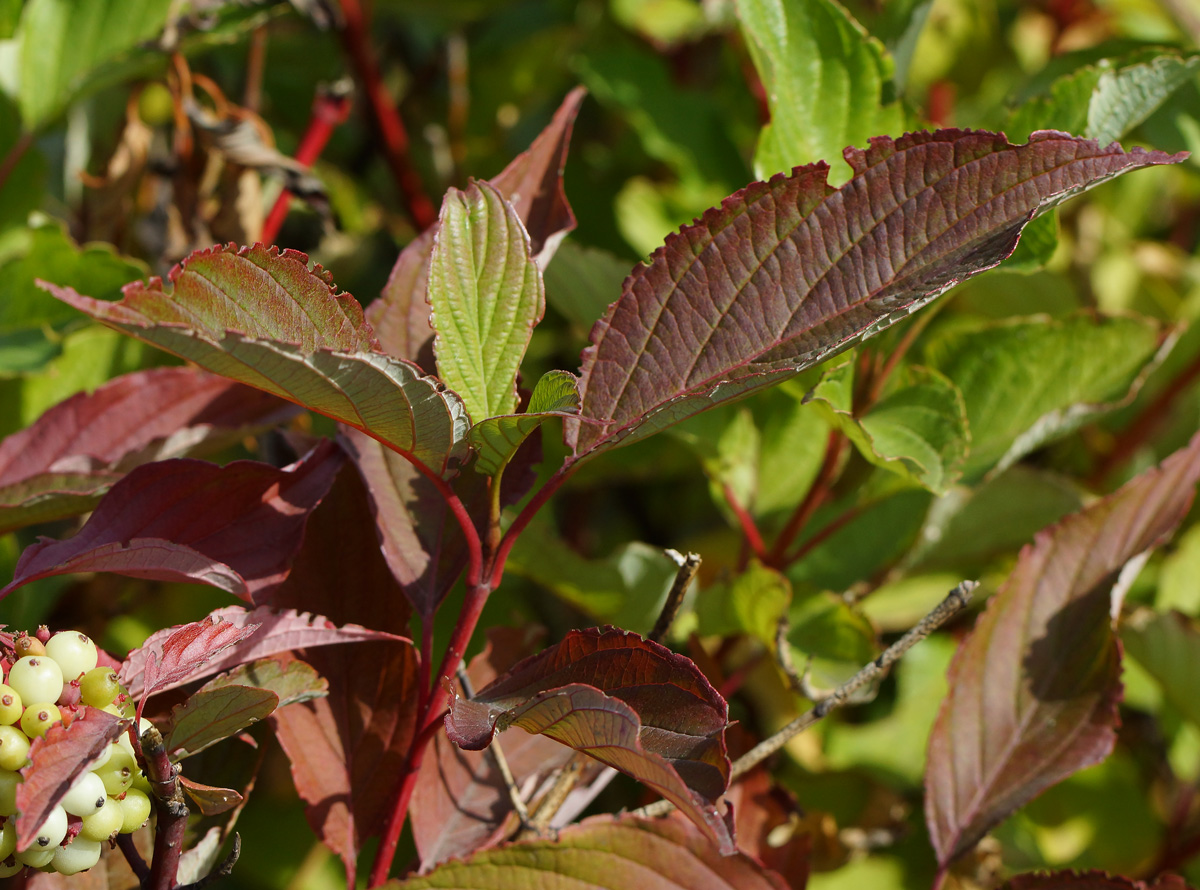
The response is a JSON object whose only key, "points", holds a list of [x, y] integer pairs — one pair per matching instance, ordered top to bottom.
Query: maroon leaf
{"points": [[533, 184], [788, 272], [58, 466], [235, 527], [278, 631], [185, 651], [1034, 688], [630, 703], [213, 715], [347, 749], [55, 760], [209, 800], [461, 802], [605, 851], [1092, 880]]}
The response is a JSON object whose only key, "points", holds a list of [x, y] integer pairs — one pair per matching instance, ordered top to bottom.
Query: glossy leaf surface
{"points": [[786, 273], [486, 295], [265, 319], [234, 527], [1034, 689], [630, 703], [605, 853]]}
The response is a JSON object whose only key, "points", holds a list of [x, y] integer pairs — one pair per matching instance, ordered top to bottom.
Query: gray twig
{"points": [[688, 567]]}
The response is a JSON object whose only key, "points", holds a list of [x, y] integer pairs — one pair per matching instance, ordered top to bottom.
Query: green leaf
{"points": [[65, 46], [826, 79], [581, 282], [485, 291], [265, 319], [1029, 381], [919, 431], [497, 439], [1177, 587], [752, 603], [838, 639], [1168, 647], [292, 681], [212, 715], [616, 851]]}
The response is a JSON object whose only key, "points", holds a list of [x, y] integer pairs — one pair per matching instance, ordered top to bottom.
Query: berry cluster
{"points": [[48, 680]]}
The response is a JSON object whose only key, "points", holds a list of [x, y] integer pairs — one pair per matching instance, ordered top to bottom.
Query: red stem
{"points": [[329, 111], [387, 119], [10, 161], [818, 492], [523, 518], [749, 529], [804, 549], [172, 812]]}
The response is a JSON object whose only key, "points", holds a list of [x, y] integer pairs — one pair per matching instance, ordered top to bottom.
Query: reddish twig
{"points": [[330, 110], [386, 118], [10, 161], [818, 492], [749, 528], [806, 547], [170, 808], [134, 857]]}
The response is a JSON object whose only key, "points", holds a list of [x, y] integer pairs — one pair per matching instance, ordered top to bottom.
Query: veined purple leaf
{"points": [[532, 183], [788, 272], [486, 296], [264, 319], [497, 439], [60, 465], [235, 527], [279, 630], [186, 650], [1034, 689], [630, 703], [213, 715], [55, 760], [210, 800], [604, 851]]}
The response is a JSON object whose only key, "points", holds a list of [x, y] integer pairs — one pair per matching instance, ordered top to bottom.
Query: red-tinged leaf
{"points": [[532, 183], [788, 272], [262, 318], [59, 466], [235, 527], [279, 630], [185, 650], [289, 678], [1034, 688], [630, 703], [213, 715], [347, 750], [55, 760], [209, 800], [461, 802], [762, 810], [603, 853], [1092, 880]]}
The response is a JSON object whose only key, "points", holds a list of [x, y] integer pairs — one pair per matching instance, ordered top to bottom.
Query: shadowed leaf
{"points": [[532, 184], [786, 273], [486, 296], [264, 319], [497, 439], [59, 466], [235, 527], [279, 630], [1168, 647], [185, 650], [291, 680], [1034, 689], [630, 703], [213, 715], [55, 760], [209, 800], [605, 853], [1092, 880]]}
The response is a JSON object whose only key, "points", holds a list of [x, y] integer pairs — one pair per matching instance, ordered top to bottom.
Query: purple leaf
{"points": [[532, 183], [788, 272], [264, 319], [58, 466], [235, 527], [279, 630], [185, 651], [1034, 689], [630, 703], [213, 715], [55, 760], [211, 801], [605, 851]]}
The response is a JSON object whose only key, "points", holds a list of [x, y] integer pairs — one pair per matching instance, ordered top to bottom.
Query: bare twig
{"points": [[688, 567], [955, 602], [801, 682], [497, 755], [171, 810], [543, 814], [134, 857], [223, 870]]}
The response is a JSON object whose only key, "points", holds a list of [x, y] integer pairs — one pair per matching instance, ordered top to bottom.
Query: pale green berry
{"points": [[74, 652], [36, 679], [10, 705], [38, 718], [14, 748], [117, 774], [9, 781], [87, 796], [136, 807], [104, 823], [52, 830], [8, 838], [79, 855], [35, 856], [10, 867]]}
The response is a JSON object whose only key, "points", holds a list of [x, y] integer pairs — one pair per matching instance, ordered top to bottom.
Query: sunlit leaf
{"points": [[786, 273], [497, 439], [1168, 647], [291, 680], [1034, 689], [213, 715], [210, 801]]}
